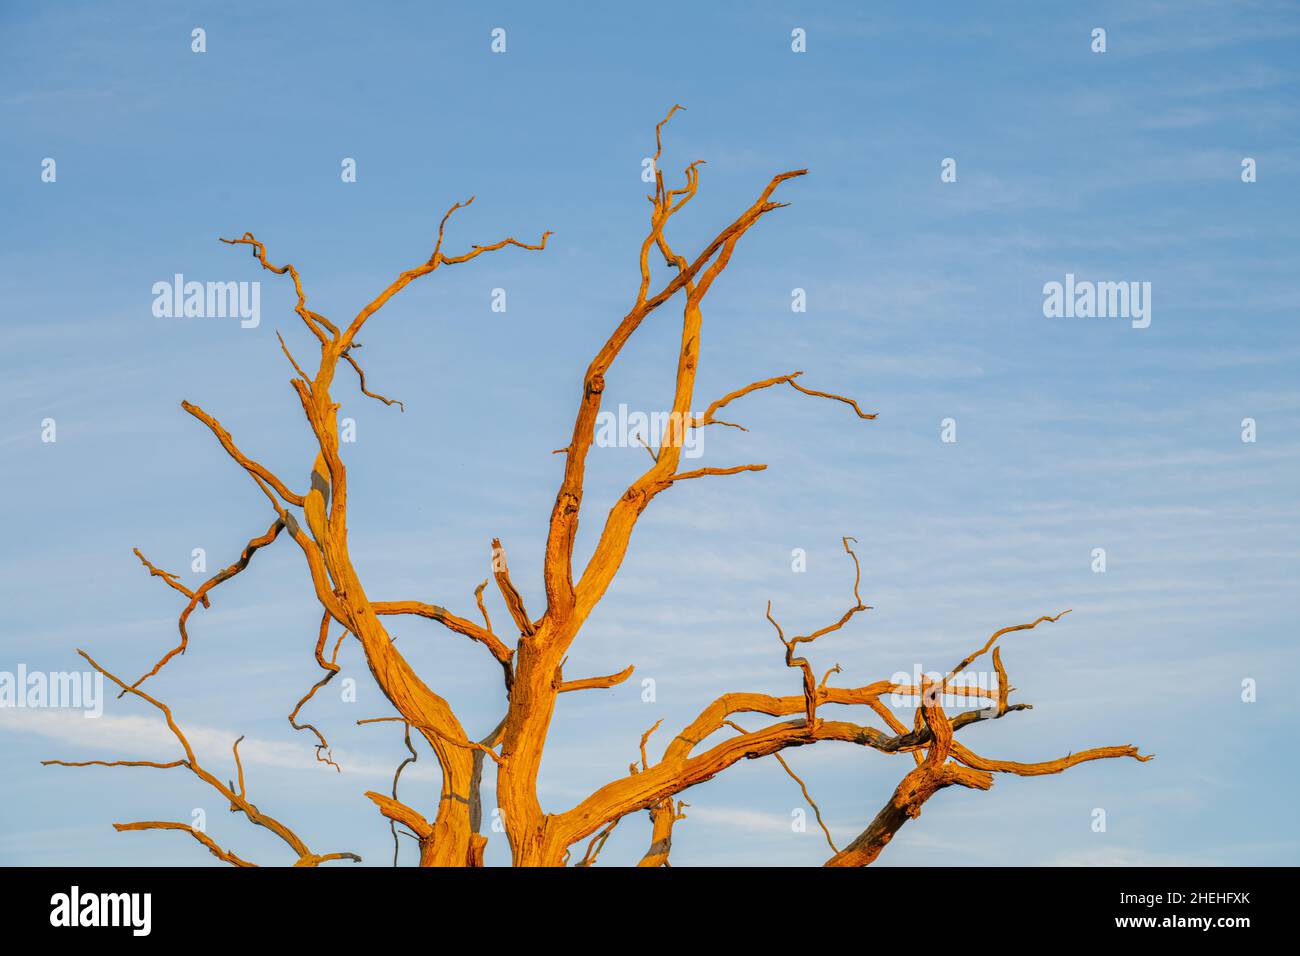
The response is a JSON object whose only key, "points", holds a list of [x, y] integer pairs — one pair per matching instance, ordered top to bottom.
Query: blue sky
{"points": [[924, 302]]}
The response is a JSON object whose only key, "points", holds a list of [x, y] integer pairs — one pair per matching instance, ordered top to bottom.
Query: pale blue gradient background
{"points": [[924, 302]]}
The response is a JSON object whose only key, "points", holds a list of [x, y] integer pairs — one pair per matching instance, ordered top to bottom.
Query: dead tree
{"points": [[532, 654]]}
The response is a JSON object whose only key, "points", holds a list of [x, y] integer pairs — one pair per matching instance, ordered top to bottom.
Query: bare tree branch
{"points": [[201, 595], [237, 797]]}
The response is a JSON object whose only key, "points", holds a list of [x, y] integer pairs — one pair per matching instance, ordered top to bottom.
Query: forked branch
{"points": [[237, 796]]}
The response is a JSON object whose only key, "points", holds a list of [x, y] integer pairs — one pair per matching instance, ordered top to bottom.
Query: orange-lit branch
{"points": [[313, 320], [200, 596], [237, 797]]}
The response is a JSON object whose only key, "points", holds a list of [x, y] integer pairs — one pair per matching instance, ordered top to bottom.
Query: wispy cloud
{"points": [[112, 737]]}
